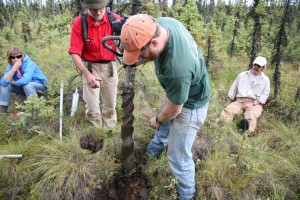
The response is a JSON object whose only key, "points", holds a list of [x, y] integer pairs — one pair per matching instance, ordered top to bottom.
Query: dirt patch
{"points": [[89, 142], [130, 187], [133, 187]]}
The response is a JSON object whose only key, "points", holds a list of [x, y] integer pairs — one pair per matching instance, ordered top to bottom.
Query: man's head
{"points": [[96, 8], [136, 33], [261, 61], [258, 65]]}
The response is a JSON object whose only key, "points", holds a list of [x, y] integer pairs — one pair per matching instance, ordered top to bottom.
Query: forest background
{"points": [[230, 164]]}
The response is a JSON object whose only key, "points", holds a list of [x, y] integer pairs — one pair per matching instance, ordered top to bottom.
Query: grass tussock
{"points": [[72, 171]]}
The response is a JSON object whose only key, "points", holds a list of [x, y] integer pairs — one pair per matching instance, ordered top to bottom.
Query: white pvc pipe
{"points": [[61, 110], [11, 156]]}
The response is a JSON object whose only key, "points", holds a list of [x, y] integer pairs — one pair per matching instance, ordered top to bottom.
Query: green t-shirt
{"points": [[181, 69]]}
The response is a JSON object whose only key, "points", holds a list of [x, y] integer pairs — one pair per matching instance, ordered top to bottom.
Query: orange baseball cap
{"points": [[136, 33]]}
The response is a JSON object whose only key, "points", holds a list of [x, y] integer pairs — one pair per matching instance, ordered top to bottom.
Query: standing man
{"points": [[97, 64], [181, 71], [22, 77], [247, 94]]}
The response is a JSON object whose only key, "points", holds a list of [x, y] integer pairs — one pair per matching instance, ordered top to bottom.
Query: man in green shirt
{"points": [[181, 71]]}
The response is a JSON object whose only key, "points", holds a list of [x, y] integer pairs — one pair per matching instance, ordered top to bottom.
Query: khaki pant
{"points": [[108, 93], [235, 108]]}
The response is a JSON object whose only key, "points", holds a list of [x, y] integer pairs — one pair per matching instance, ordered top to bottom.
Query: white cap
{"points": [[261, 61]]}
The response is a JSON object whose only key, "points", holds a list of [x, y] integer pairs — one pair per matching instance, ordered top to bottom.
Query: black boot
{"points": [[244, 125]]}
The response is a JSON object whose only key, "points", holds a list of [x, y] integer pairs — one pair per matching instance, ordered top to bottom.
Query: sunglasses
{"points": [[14, 57], [258, 66]]}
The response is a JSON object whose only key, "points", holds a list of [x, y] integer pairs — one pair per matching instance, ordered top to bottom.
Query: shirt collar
{"points": [[261, 74]]}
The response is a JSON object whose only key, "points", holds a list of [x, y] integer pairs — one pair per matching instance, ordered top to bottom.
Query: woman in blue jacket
{"points": [[22, 77]]}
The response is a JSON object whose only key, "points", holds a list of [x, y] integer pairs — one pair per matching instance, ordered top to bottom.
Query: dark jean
{"points": [[179, 134]]}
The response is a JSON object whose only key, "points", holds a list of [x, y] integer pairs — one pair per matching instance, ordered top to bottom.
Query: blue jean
{"points": [[25, 90], [179, 134]]}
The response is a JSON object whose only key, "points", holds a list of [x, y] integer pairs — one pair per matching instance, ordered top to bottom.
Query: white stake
{"points": [[74, 102], [61, 110], [11, 156]]}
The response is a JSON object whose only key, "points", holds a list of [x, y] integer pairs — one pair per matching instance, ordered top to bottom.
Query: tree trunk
{"points": [[256, 34], [280, 43], [208, 58]]}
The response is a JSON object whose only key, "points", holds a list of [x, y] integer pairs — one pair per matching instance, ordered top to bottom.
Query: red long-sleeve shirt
{"points": [[93, 49]]}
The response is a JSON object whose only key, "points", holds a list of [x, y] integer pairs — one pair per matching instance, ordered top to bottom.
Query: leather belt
{"points": [[101, 61], [90, 68]]}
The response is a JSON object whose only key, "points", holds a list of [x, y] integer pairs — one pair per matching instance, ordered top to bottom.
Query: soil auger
{"points": [[127, 149]]}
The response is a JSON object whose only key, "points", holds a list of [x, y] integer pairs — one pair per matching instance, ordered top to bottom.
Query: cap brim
{"points": [[95, 5], [131, 57], [259, 63]]}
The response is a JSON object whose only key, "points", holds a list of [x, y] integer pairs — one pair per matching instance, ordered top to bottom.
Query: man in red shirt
{"points": [[97, 64]]}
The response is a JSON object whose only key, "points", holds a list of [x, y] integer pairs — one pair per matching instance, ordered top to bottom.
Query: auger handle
{"points": [[115, 38]]}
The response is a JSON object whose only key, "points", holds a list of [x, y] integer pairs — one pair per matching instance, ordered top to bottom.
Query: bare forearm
{"points": [[79, 64], [16, 66], [9, 75], [92, 81], [169, 111]]}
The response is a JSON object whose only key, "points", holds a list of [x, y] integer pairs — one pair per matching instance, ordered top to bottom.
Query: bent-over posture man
{"points": [[181, 71]]}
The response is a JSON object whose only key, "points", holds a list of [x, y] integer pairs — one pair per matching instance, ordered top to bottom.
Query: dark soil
{"points": [[90, 143], [130, 187], [133, 187]]}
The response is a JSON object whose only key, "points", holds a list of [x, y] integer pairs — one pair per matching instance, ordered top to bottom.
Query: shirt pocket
{"points": [[91, 46]]}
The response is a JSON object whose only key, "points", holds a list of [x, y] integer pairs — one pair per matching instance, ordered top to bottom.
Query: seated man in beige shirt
{"points": [[247, 95]]}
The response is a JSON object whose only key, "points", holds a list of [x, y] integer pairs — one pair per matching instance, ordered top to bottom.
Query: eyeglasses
{"points": [[14, 57], [258, 66]]}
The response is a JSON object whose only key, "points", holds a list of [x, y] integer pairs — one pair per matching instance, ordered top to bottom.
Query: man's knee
{"points": [[226, 115]]}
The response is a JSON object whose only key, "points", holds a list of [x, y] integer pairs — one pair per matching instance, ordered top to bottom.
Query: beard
{"points": [[97, 17], [151, 55], [143, 61]]}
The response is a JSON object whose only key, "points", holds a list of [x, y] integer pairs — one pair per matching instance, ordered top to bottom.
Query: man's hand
{"points": [[93, 81], [248, 105], [168, 112], [153, 123]]}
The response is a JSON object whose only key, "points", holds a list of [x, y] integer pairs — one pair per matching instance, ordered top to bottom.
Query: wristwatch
{"points": [[158, 122]]}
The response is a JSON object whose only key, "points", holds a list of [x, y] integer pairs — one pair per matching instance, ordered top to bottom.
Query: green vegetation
{"points": [[265, 165]]}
